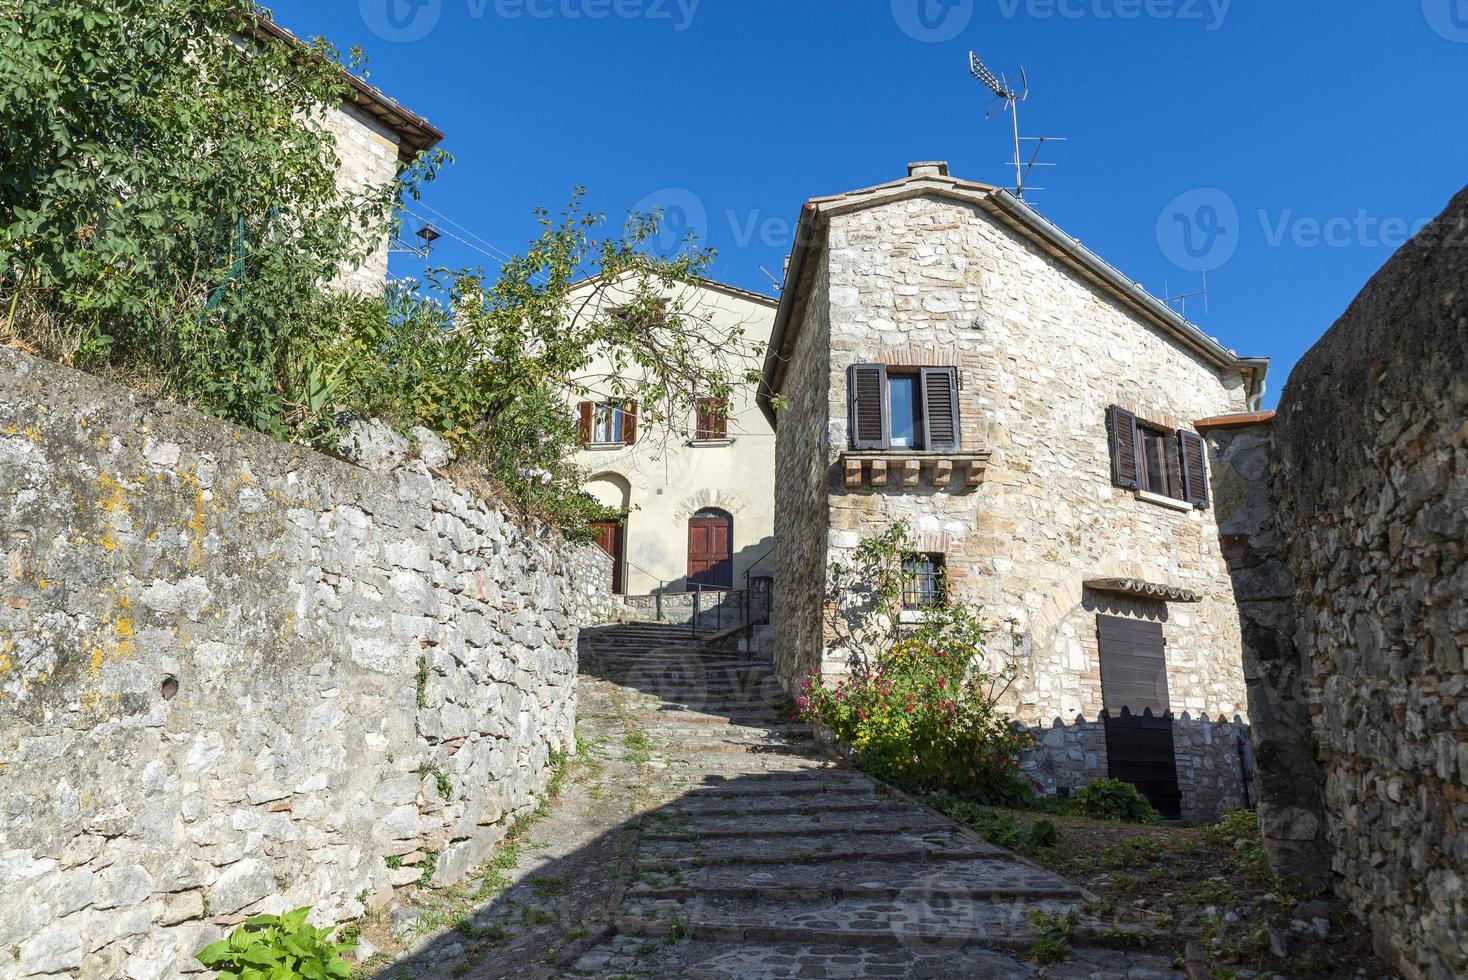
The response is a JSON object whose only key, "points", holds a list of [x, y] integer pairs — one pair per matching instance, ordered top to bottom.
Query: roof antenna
{"points": [[1009, 100], [779, 286], [1182, 298]]}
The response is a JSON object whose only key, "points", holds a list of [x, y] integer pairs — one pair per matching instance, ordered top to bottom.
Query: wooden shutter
{"points": [[866, 386], [940, 409], [586, 412], [712, 420], [629, 423], [1122, 427], [1194, 458], [1171, 461], [1137, 709]]}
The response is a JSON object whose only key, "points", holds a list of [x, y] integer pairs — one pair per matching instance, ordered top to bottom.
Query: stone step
{"points": [[712, 729], [731, 744], [738, 765], [833, 780], [776, 804], [891, 820], [658, 855], [868, 876], [917, 921], [710, 960]]}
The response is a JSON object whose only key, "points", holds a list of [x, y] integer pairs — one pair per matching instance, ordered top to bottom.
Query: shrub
{"points": [[921, 706], [924, 719], [1112, 799], [269, 946]]}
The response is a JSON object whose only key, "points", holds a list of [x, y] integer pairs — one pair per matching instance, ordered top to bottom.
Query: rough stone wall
{"points": [[368, 158], [1041, 355], [1372, 481], [801, 514], [237, 676], [1291, 809]]}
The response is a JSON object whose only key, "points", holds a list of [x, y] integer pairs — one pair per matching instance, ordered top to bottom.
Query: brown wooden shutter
{"points": [[866, 386], [940, 409], [586, 411], [713, 420], [629, 423], [1122, 426], [1193, 455], [1170, 460]]}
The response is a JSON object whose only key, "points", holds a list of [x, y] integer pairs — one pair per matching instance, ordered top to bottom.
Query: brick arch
{"points": [[709, 500], [1069, 595]]}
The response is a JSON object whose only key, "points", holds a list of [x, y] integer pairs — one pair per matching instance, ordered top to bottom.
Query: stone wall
{"points": [[367, 154], [1041, 354], [802, 517], [1369, 537], [237, 675], [1288, 784]]}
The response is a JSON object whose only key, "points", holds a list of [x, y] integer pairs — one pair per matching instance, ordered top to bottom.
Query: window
{"points": [[903, 408], [906, 412], [711, 420], [607, 423], [607, 426], [1155, 451], [1155, 459], [924, 585]]}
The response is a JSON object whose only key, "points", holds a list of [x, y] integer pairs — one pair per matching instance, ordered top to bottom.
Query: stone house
{"points": [[375, 137], [948, 358], [697, 494]]}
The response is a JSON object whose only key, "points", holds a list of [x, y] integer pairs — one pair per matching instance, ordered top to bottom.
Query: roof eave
{"points": [[416, 135]]}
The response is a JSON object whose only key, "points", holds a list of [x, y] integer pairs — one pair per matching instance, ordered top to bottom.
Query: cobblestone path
{"points": [[757, 858]]}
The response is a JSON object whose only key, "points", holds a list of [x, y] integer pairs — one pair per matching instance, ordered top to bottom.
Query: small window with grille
{"points": [[924, 587]]}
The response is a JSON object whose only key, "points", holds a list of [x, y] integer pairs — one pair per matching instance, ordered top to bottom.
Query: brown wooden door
{"points": [[611, 537], [710, 555], [1139, 747]]}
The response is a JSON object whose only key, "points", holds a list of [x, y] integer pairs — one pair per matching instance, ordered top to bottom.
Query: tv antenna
{"points": [[1007, 99], [779, 286], [1182, 298]]}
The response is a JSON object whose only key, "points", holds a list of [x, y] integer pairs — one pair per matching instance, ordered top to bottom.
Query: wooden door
{"points": [[611, 537], [710, 554], [1138, 715]]}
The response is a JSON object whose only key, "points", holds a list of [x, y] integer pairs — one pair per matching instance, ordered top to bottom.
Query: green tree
{"points": [[169, 209], [496, 364]]}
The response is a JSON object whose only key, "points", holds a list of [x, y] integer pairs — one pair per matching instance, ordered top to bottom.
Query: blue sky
{"points": [[1284, 147]]}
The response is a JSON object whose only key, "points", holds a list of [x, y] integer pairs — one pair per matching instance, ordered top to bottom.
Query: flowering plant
{"points": [[924, 717]]}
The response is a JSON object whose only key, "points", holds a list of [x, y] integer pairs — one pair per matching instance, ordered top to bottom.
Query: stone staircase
{"points": [[767, 860]]}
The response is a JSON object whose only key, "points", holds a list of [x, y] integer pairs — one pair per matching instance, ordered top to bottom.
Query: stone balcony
{"points": [[909, 469]]}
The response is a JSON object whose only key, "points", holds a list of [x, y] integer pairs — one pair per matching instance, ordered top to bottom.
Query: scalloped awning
{"points": [[1139, 589]]}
